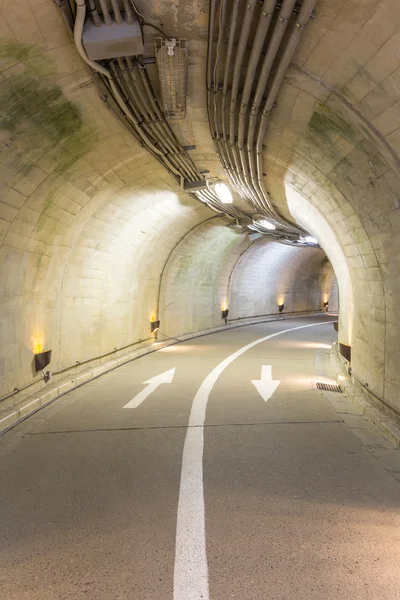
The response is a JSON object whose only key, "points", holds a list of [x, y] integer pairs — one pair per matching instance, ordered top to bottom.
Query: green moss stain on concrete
{"points": [[28, 101], [36, 120], [326, 123]]}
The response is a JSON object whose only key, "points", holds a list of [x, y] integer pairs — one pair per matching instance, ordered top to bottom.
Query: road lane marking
{"points": [[152, 384], [265, 386], [191, 568]]}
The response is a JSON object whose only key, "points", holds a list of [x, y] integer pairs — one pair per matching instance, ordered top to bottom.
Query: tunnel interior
{"points": [[99, 240], [199, 299]]}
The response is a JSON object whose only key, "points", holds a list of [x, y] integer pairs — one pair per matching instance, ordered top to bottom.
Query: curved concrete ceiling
{"points": [[96, 236]]}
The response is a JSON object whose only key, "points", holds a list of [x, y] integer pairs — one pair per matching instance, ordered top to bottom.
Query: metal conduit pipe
{"points": [[104, 9], [116, 11], [128, 11], [94, 14], [222, 17], [302, 20], [211, 25], [78, 28], [262, 30], [279, 30], [261, 33], [244, 35], [273, 47], [228, 61], [133, 82], [213, 95], [153, 102], [138, 103], [134, 104], [138, 108], [161, 124], [128, 125], [158, 125], [255, 162], [234, 165], [237, 165], [208, 199], [215, 201], [207, 203], [231, 212]]}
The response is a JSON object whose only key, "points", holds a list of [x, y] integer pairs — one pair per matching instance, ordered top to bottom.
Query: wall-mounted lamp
{"points": [[326, 305], [281, 307], [224, 314], [154, 325], [345, 351], [42, 359]]}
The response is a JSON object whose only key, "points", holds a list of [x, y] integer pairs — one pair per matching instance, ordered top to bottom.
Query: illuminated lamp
{"points": [[224, 193], [310, 239], [326, 305], [281, 307], [225, 313], [154, 325], [345, 351], [42, 359]]}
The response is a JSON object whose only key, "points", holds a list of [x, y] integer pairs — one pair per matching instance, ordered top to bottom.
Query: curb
{"points": [[27, 407], [379, 419]]}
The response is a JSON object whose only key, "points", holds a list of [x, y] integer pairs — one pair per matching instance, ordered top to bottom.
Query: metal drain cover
{"points": [[328, 387]]}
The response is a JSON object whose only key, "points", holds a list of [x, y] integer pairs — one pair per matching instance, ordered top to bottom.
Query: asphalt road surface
{"points": [[228, 477]]}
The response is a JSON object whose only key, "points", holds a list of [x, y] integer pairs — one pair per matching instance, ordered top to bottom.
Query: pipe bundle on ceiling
{"points": [[248, 57], [126, 87]]}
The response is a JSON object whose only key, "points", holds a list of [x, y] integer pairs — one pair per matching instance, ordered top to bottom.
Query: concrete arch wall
{"points": [[329, 141], [87, 216], [88, 219], [212, 263], [269, 274], [195, 283], [361, 322]]}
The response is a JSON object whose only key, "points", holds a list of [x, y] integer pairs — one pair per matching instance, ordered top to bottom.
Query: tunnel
{"points": [[201, 198]]}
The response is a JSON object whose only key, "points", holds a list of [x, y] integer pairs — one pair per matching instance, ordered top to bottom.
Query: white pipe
{"points": [[116, 11], [106, 13], [78, 29]]}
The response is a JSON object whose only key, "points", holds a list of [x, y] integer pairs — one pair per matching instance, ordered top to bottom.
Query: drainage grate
{"points": [[327, 387]]}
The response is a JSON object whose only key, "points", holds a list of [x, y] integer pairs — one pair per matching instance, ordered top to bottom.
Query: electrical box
{"points": [[112, 41]]}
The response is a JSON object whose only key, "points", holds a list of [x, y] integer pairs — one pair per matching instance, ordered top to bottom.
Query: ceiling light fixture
{"points": [[171, 58], [224, 193], [266, 224], [310, 239]]}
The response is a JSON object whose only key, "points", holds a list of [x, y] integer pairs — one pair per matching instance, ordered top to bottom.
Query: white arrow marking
{"points": [[152, 384], [265, 386]]}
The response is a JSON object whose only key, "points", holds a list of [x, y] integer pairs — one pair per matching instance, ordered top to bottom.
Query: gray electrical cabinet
{"points": [[112, 41]]}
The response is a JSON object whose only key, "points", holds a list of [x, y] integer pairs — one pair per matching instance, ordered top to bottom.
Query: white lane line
{"points": [[191, 568]]}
